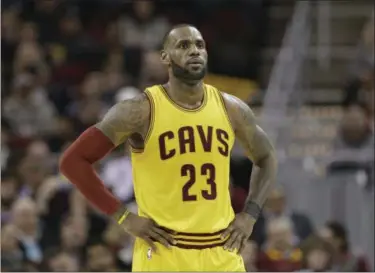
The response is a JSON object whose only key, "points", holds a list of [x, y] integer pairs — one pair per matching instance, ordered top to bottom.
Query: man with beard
{"points": [[181, 134]]}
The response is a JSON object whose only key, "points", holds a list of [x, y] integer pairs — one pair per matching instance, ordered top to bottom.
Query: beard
{"points": [[185, 75]]}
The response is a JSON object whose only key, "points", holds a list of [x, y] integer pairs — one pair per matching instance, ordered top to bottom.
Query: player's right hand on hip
{"points": [[147, 230]]}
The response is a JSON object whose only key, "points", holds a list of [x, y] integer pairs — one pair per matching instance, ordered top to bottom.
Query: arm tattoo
{"points": [[125, 118], [259, 149]]}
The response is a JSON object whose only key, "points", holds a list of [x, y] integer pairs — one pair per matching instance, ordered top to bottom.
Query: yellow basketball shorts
{"points": [[198, 252]]}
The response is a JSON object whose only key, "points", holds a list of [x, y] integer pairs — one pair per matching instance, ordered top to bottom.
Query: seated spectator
{"points": [[10, 30], [146, 30], [362, 65], [153, 72], [88, 108], [28, 109], [354, 129], [5, 139], [354, 146], [39, 150], [9, 194], [51, 194], [276, 207], [28, 229], [73, 238], [279, 253], [317, 254], [12, 257], [100, 258], [344, 259], [61, 261]]}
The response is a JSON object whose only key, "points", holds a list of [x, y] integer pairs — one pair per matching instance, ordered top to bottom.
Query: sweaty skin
{"points": [[185, 56]]}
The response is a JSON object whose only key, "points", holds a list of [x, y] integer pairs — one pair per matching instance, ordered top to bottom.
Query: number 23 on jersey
{"points": [[191, 172]]}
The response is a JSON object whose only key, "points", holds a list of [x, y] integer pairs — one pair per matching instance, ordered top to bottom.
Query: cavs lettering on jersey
{"points": [[181, 177]]}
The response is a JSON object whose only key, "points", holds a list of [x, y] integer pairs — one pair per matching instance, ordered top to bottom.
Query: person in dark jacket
{"points": [[276, 207], [344, 259]]}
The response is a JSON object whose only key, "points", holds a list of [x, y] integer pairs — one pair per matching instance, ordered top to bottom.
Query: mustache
{"points": [[185, 75]]}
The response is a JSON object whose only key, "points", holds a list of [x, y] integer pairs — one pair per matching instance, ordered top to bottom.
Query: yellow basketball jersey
{"points": [[181, 177]]}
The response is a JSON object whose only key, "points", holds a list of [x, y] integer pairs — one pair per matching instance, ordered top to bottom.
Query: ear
{"points": [[164, 57]]}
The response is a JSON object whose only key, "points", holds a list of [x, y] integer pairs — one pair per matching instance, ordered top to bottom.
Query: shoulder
{"points": [[234, 104], [138, 105], [238, 110], [128, 116]]}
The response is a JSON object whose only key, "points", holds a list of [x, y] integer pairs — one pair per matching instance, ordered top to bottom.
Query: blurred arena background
{"points": [[305, 67]]}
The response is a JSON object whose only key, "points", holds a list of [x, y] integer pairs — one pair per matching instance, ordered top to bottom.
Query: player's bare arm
{"points": [[126, 118], [122, 121], [261, 152]]}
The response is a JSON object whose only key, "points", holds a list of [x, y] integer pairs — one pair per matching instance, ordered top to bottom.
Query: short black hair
{"points": [[166, 36], [339, 231]]}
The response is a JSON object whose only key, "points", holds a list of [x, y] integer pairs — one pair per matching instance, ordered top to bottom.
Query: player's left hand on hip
{"points": [[238, 231]]}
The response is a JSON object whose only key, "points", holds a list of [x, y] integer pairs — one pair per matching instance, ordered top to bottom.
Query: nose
{"points": [[194, 52]]}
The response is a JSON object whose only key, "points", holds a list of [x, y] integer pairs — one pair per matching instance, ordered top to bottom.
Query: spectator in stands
{"points": [[45, 15], [10, 28], [146, 29], [30, 58], [362, 66], [153, 71], [88, 108], [28, 109], [354, 130], [5, 138], [354, 145], [33, 173], [9, 193], [51, 194], [276, 207], [28, 229], [73, 238], [280, 252], [317, 254], [12, 257], [100, 258], [343, 260], [61, 261]]}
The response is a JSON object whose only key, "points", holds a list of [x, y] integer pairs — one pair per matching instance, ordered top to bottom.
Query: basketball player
{"points": [[181, 135]]}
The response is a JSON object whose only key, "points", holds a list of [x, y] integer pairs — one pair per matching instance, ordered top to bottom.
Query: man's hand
{"points": [[147, 230], [239, 232]]}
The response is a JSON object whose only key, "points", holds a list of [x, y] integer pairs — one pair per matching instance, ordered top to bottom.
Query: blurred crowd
{"points": [[64, 64], [359, 89], [355, 142], [285, 240]]}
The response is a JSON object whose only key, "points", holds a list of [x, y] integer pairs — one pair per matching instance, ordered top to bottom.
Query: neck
{"points": [[185, 94]]}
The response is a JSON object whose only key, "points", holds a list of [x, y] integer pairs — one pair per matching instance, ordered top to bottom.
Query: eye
{"points": [[200, 44], [184, 45]]}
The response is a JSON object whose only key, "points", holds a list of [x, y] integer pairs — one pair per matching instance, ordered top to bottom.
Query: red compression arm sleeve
{"points": [[76, 165]]}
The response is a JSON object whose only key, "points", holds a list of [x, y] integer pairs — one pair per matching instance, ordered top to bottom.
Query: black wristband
{"points": [[252, 208]]}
